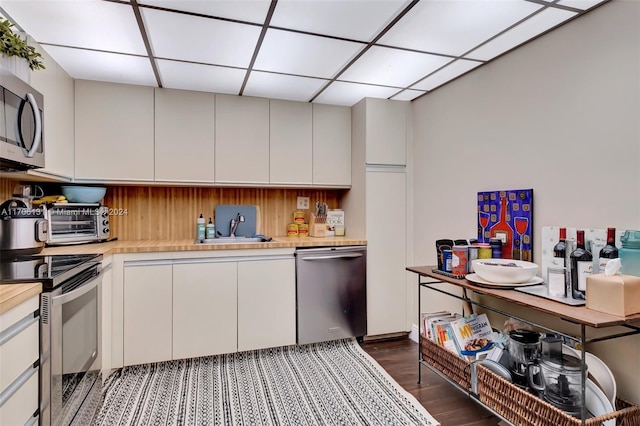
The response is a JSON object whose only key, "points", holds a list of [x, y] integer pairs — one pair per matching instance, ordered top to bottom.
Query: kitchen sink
{"points": [[233, 240]]}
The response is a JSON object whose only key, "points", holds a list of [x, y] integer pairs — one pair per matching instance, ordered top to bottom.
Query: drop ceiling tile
{"points": [[581, 4], [246, 10], [337, 18], [88, 23], [453, 27], [527, 30], [192, 38], [306, 55], [100, 66], [392, 67], [447, 73], [203, 78], [280, 86], [341, 93], [408, 95]]}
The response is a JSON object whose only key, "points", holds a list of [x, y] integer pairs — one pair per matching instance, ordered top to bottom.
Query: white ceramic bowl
{"points": [[505, 271]]}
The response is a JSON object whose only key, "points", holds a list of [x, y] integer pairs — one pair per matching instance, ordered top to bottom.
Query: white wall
{"points": [[560, 115]]}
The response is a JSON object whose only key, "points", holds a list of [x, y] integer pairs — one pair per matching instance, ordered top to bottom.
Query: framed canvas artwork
{"points": [[507, 215]]}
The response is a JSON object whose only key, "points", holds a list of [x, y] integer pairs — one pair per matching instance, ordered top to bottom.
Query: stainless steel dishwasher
{"points": [[331, 291]]}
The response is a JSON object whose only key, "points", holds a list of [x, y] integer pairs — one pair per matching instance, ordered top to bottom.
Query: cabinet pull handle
{"points": [[17, 384]]}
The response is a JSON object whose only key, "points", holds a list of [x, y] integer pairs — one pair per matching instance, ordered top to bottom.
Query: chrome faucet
{"points": [[234, 224]]}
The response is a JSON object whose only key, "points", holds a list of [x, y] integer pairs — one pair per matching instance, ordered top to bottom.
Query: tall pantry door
{"points": [[386, 219]]}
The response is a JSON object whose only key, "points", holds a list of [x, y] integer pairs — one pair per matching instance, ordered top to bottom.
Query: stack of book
{"points": [[467, 336]]}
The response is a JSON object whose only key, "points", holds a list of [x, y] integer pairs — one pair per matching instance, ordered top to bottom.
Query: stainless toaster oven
{"points": [[74, 223]]}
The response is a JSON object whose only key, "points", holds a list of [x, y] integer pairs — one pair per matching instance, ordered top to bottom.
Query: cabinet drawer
{"points": [[18, 353], [19, 408]]}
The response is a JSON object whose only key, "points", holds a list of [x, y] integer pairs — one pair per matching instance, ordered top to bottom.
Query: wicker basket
{"points": [[450, 364], [524, 409]]}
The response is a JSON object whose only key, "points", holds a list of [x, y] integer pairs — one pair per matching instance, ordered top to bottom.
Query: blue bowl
{"points": [[84, 194]]}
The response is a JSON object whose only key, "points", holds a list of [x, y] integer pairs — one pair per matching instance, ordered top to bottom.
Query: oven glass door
{"points": [[73, 223]]}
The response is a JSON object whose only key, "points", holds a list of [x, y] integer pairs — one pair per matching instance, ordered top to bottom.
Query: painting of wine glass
{"points": [[507, 216]]}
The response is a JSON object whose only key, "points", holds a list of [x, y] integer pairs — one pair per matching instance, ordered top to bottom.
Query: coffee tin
{"points": [[298, 217], [292, 230], [303, 230], [484, 251], [473, 254], [459, 258], [446, 260]]}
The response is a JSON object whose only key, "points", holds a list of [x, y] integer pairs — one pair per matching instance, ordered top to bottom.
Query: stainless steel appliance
{"points": [[21, 124], [73, 223], [22, 230], [331, 288], [70, 320]]}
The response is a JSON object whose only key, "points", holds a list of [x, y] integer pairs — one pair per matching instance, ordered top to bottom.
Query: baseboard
{"points": [[414, 333], [385, 336]]}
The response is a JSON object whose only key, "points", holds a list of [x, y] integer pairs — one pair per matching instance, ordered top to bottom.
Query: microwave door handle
{"points": [[37, 135], [85, 288]]}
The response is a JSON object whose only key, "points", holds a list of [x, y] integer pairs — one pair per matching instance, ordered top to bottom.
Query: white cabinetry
{"points": [[57, 88], [114, 127], [386, 131], [184, 136], [242, 140], [290, 143], [331, 145], [377, 206], [266, 304], [205, 308], [147, 313], [19, 352]]}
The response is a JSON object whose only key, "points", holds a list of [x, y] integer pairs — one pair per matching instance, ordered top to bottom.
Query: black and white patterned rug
{"points": [[331, 383]]}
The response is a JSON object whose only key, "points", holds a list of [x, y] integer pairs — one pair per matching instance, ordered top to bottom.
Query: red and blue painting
{"points": [[508, 216]]}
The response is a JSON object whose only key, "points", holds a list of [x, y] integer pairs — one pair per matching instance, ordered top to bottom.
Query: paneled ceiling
{"points": [[327, 51]]}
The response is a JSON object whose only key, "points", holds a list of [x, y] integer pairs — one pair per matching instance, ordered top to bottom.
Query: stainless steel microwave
{"points": [[21, 124]]}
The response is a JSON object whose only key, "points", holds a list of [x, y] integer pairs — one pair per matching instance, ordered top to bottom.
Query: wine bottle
{"points": [[503, 231], [559, 248], [610, 251], [581, 267]]}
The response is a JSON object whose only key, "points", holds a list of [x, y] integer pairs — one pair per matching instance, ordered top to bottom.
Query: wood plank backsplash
{"points": [[161, 213]]}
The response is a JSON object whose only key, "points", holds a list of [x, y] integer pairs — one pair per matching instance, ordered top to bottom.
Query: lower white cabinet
{"points": [[266, 304], [185, 308], [205, 309], [147, 313], [19, 353]]}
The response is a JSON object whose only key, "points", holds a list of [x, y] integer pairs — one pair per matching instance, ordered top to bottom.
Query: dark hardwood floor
{"points": [[451, 407]]}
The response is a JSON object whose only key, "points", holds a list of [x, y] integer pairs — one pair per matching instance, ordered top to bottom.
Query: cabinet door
{"points": [[57, 88], [114, 131], [386, 131], [184, 136], [242, 140], [290, 142], [331, 145], [386, 252], [106, 297], [266, 304], [204, 309], [147, 314]]}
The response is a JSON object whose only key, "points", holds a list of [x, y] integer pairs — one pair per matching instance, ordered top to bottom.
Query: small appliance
{"points": [[76, 223], [23, 230], [524, 350]]}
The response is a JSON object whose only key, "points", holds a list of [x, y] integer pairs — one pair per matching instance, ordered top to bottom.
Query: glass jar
{"points": [[630, 253]]}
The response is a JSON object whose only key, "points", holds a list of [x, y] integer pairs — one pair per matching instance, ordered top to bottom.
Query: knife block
{"points": [[318, 226]]}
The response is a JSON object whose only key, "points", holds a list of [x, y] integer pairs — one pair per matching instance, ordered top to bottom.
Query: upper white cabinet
{"points": [[57, 88], [114, 126], [386, 131], [184, 136], [242, 140], [290, 143], [331, 145]]}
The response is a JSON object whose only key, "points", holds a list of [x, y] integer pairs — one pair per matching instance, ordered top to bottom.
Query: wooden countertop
{"points": [[150, 246], [12, 295], [575, 314]]}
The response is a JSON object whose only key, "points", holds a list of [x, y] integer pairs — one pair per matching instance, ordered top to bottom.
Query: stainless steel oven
{"points": [[74, 223], [70, 324], [69, 357]]}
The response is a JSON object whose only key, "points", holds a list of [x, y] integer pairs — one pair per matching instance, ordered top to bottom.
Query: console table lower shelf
{"points": [[507, 400]]}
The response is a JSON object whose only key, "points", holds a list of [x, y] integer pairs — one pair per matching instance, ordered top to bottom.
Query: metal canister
{"points": [[298, 217], [292, 230], [303, 230], [496, 248], [484, 251], [473, 254], [459, 259], [446, 260]]}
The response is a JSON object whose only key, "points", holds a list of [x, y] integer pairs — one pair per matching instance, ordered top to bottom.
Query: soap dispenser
{"points": [[200, 229], [210, 231]]}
